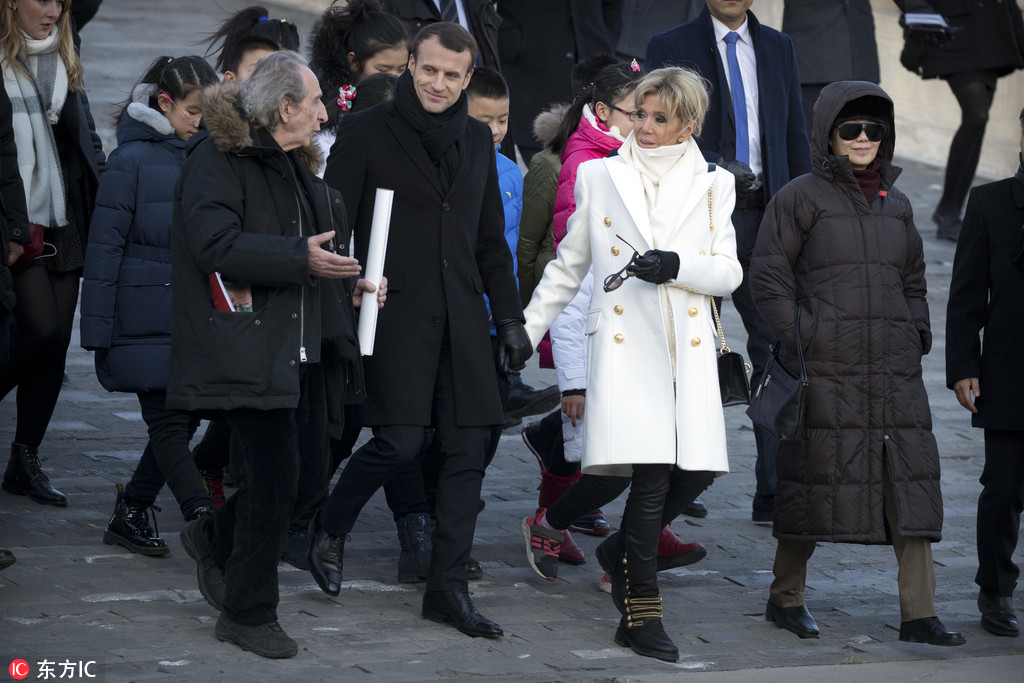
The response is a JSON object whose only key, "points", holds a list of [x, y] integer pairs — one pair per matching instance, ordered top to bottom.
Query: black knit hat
{"points": [[871, 108]]}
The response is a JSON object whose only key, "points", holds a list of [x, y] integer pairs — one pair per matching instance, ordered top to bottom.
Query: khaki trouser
{"points": [[916, 577]]}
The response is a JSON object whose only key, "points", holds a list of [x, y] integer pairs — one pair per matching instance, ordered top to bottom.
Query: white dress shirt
{"points": [[748, 70]]}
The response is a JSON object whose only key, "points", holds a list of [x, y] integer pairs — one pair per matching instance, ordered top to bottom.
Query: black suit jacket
{"points": [[483, 22], [785, 151], [445, 250], [986, 293]]}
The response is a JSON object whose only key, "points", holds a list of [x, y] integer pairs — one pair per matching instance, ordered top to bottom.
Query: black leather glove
{"points": [[744, 177], [655, 266], [513, 346]]}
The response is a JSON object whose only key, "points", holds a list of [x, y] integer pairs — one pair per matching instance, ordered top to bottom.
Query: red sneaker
{"points": [[213, 480], [542, 546], [569, 552]]}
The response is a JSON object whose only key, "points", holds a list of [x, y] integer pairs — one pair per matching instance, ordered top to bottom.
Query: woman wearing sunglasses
{"points": [[838, 254], [654, 409]]}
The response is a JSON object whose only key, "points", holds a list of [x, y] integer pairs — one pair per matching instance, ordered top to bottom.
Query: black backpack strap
{"points": [[711, 167]]}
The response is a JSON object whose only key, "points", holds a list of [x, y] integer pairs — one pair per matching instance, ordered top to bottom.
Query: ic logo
{"points": [[19, 669]]}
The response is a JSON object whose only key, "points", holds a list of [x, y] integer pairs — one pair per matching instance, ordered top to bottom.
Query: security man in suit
{"points": [[755, 128]]}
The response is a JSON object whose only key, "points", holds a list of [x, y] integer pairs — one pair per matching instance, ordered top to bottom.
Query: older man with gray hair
{"points": [[264, 329]]}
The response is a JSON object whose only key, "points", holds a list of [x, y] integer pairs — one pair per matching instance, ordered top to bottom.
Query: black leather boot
{"points": [[23, 477], [129, 527], [417, 546], [611, 555], [456, 608], [641, 630]]}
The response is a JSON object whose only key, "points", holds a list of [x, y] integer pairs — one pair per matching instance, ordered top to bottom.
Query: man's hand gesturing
{"points": [[323, 263]]}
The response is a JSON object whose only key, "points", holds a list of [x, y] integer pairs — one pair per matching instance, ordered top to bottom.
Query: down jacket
{"points": [[856, 271], [126, 289]]}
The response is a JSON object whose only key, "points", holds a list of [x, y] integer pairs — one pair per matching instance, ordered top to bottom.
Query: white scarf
{"points": [[38, 160], [665, 165]]}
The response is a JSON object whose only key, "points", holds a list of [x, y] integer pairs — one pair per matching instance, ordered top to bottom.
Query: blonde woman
{"points": [[59, 157], [654, 222]]}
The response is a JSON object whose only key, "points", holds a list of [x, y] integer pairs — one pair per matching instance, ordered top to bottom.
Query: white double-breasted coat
{"points": [[635, 412]]}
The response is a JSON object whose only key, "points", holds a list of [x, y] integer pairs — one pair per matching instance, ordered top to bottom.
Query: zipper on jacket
{"points": [[302, 298]]}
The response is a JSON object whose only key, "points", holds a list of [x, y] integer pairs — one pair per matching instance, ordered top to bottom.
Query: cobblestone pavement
{"points": [[70, 597]]}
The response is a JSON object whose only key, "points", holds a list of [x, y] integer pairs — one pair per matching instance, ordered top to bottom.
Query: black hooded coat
{"points": [[856, 270]]}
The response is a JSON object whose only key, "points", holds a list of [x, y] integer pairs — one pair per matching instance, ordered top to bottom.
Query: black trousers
{"points": [[746, 221], [167, 457], [279, 460], [461, 470], [999, 508]]}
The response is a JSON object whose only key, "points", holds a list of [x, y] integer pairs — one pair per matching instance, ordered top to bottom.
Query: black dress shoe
{"points": [[948, 225], [696, 509], [324, 557], [6, 558], [456, 608], [997, 615], [794, 619], [929, 630]]}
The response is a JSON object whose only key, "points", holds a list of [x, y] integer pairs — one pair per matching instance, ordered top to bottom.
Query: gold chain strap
{"points": [[714, 306]]}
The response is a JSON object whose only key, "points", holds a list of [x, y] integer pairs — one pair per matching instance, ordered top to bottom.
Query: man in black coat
{"points": [[477, 16], [539, 42], [774, 151], [249, 212], [986, 292], [432, 363]]}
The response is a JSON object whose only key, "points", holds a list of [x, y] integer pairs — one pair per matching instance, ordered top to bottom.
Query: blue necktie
{"points": [[449, 12], [739, 99]]}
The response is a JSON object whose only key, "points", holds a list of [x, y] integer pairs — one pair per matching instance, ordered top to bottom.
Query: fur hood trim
{"points": [[140, 110], [545, 126], [232, 131]]}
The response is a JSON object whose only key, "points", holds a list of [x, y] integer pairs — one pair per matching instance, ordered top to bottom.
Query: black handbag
{"points": [[732, 371], [779, 404]]}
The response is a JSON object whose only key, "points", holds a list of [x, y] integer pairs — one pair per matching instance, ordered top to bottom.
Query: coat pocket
{"points": [[142, 302], [593, 322], [237, 350]]}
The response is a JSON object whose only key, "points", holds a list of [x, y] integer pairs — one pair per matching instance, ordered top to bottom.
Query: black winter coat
{"points": [[989, 37], [834, 39], [539, 42], [81, 152], [13, 212], [237, 212], [445, 251], [856, 270], [126, 286], [986, 292]]}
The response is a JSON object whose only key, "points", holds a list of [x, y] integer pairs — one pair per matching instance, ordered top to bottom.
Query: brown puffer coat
{"points": [[856, 271]]}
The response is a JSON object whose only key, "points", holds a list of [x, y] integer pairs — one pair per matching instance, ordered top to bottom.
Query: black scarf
{"points": [[438, 132], [1018, 251]]}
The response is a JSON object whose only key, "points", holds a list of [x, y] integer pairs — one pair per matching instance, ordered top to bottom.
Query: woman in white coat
{"points": [[654, 409]]}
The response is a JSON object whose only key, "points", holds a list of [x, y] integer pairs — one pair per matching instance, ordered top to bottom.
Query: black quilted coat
{"points": [[856, 271]]}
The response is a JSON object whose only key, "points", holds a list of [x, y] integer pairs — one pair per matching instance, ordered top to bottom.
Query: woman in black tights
{"points": [[987, 43], [59, 155]]}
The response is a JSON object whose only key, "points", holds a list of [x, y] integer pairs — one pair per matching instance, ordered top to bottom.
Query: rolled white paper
{"points": [[379, 227]]}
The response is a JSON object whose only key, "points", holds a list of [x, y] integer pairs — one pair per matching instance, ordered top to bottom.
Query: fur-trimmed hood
{"points": [[226, 124], [545, 126]]}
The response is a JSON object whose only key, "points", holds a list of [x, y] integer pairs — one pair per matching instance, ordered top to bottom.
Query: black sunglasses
{"points": [[851, 131], [615, 280]]}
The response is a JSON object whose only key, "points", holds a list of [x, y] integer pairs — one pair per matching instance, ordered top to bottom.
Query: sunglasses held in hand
{"points": [[615, 280]]}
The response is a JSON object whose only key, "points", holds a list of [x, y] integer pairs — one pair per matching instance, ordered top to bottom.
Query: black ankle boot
{"points": [[23, 477], [129, 527], [417, 547], [611, 555], [641, 630]]}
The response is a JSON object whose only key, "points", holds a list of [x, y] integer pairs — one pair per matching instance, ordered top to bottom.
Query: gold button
{"points": [[607, 222], [615, 251], [703, 253], [618, 310], [693, 312], [619, 338], [695, 341]]}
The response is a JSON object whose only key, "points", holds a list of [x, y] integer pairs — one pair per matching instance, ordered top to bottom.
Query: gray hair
{"points": [[276, 77]]}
